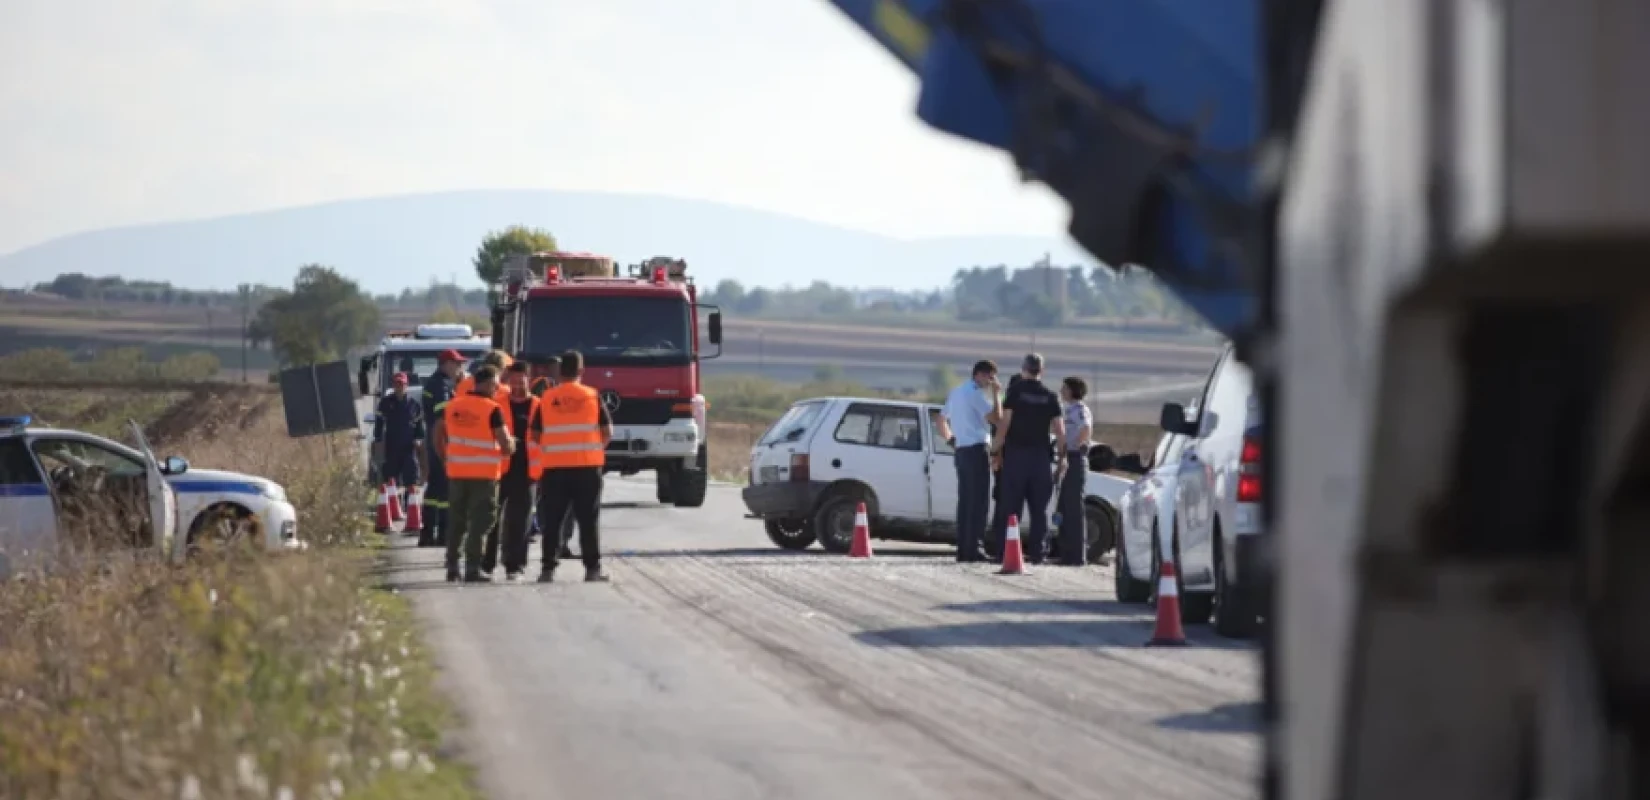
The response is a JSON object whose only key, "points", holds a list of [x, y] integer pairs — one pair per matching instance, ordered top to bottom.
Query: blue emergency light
{"points": [[21, 421]]}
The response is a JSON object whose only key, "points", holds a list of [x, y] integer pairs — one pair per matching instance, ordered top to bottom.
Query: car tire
{"points": [[688, 486], [833, 520], [223, 526], [1101, 531], [789, 534], [1128, 588], [1235, 616]]}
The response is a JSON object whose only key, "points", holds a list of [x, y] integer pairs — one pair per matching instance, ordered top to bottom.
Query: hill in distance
{"points": [[392, 242]]}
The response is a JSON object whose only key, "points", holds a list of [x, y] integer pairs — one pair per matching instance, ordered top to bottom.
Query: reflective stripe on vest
{"points": [[572, 433], [472, 453]]}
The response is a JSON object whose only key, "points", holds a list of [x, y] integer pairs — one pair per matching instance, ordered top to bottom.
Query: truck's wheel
{"points": [[663, 483], [688, 486], [790, 534], [1128, 589], [1235, 615]]}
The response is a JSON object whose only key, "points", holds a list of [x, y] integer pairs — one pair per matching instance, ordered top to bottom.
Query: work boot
{"points": [[567, 554], [452, 574], [512, 575], [477, 576], [547, 576], [596, 576]]}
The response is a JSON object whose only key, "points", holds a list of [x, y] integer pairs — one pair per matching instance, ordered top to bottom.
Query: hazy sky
{"points": [[118, 112]]}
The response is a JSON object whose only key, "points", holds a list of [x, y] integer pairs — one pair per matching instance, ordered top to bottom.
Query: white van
{"points": [[824, 456], [1200, 505]]}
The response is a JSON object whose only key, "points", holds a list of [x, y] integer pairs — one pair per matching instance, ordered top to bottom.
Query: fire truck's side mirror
{"points": [[716, 327]]}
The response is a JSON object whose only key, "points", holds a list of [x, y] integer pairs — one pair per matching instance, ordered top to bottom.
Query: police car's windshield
{"points": [[612, 331], [418, 364]]}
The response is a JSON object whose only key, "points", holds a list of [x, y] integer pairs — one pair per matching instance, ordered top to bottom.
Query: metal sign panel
{"points": [[319, 398]]}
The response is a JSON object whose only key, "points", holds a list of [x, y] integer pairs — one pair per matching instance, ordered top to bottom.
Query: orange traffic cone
{"points": [[415, 510], [396, 512], [383, 522], [861, 548], [1014, 562], [1169, 631]]}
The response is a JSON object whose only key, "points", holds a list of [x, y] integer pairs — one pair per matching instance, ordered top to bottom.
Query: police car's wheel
{"points": [[222, 527], [790, 534], [1129, 590]]}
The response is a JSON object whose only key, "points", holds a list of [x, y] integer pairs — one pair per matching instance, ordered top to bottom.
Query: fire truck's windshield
{"points": [[612, 331]]}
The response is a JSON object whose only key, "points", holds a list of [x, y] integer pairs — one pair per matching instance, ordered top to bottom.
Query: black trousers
{"points": [[1028, 482], [577, 490], [508, 536]]}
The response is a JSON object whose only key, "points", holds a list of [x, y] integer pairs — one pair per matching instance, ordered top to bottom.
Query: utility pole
{"points": [[246, 314]]}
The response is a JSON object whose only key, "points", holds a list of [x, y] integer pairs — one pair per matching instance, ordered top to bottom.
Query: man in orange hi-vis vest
{"points": [[570, 437], [474, 440]]}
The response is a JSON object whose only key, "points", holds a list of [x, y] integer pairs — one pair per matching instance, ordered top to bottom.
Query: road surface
{"points": [[717, 667]]}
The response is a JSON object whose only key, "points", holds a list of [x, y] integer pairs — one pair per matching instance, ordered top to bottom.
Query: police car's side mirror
{"points": [[174, 465]]}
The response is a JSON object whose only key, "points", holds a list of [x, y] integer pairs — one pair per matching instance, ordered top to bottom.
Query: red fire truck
{"points": [[639, 334]]}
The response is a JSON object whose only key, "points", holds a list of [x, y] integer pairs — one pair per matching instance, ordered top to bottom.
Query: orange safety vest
{"points": [[571, 436], [472, 452]]}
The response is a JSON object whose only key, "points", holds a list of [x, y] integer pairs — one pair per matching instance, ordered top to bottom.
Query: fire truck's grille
{"points": [[643, 411]]}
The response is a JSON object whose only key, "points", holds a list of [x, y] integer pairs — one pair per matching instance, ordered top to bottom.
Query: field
{"points": [[882, 356], [238, 674]]}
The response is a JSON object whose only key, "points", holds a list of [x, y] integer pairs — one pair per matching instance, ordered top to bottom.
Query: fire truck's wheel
{"points": [[662, 478], [688, 486]]}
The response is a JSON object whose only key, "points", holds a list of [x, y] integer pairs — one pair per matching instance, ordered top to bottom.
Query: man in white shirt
{"points": [[963, 423]]}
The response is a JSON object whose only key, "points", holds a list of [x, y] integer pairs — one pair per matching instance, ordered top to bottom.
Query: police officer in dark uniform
{"points": [[438, 391], [1031, 412], [398, 436]]}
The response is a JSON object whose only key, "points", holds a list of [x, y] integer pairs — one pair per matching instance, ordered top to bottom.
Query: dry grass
{"points": [[238, 674]]}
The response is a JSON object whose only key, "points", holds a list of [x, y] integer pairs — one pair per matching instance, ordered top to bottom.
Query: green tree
{"points": [[498, 246], [323, 316], [940, 381]]}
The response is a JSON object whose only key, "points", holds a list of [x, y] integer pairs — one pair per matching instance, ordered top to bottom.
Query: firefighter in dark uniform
{"points": [[438, 391], [398, 436]]}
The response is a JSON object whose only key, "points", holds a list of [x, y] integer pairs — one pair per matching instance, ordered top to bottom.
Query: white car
{"points": [[824, 456], [42, 468], [1199, 503]]}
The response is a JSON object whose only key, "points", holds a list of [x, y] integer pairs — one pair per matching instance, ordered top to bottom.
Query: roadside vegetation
{"points": [[238, 674]]}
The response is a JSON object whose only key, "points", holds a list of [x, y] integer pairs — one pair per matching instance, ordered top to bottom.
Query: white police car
{"points": [[43, 469]]}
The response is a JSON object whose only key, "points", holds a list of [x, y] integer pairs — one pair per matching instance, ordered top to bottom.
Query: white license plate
{"points": [[769, 474]]}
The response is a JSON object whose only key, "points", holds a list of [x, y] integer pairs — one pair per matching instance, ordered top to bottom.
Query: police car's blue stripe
{"points": [[215, 487], [25, 490]]}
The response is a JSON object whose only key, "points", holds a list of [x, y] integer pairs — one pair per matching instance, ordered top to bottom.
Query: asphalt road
{"points": [[717, 666]]}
